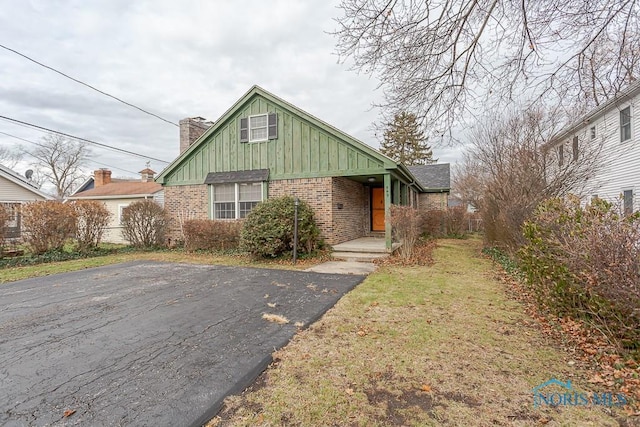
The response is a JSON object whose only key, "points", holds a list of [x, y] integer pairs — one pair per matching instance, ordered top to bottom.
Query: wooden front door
{"points": [[377, 209]]}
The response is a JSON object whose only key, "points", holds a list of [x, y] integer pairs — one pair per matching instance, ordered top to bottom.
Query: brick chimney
{"points": [[191, 129], [147, 175], [101, 177]]}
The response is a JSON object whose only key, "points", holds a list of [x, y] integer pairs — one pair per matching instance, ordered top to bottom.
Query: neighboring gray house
{"points": [[615, 125], [436, 179], [16, 190]]}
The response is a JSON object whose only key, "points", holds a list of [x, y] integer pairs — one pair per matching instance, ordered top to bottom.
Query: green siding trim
{"points": [[305, 147], [387, 212]]}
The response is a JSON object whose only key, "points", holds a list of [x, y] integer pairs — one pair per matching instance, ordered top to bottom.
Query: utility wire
{"points": [[88, 85], [99, 144], [43, 146]]}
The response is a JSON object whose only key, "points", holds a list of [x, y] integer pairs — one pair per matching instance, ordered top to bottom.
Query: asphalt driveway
{"points": [[146, 343]]}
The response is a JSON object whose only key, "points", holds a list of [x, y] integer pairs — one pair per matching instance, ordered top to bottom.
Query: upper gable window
{"points": [[625, 124], [261, 127]]}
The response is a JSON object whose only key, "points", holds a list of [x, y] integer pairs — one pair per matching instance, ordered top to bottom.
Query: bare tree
{"points": [[438, 56], [9, 158], [59, 160], [515, 169]]}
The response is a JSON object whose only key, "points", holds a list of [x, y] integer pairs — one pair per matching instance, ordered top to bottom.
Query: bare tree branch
{"points": [[439, 56], [59, 160]]}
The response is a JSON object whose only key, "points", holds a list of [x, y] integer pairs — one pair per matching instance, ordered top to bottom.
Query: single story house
{"points": [[613, 130], [263, 147], [436, 180], [15, 190], [117, 194]]}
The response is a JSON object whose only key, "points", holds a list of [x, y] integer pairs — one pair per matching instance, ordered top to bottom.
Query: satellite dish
{"points": [[28, 174]]}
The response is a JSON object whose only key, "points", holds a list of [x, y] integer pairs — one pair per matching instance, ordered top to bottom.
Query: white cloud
{"points": [[175, 59]]}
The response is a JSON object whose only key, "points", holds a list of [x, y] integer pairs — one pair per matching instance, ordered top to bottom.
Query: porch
{"points": [[363, 249]]}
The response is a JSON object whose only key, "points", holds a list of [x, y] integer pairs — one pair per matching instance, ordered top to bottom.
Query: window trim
{"points": [[625, 125], [265, 127], [593, 132], [236, 202], [121, 206]]}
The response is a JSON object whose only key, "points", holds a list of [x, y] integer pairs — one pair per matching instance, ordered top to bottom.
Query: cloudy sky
{"points": [[175, 59]]}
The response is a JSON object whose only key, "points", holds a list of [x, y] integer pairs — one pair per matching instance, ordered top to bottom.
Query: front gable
{"points": [[304, 146]]}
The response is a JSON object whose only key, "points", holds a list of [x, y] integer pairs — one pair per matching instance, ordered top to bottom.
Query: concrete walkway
{"points": [[344, 267]]}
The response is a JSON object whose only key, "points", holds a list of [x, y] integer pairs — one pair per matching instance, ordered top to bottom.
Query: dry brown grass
{"points": [[275, 318], [426, 345]]}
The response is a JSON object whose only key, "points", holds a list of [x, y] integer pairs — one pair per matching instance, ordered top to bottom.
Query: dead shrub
{"points": [[4, 218], [91, 219], [455, 221], [433, 222], [144, 224], [406, 224], [47, 225], [204, 234], [584, 262]]}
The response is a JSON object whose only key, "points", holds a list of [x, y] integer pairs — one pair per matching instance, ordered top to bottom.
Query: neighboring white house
{"points": [[616, 126], [16, 190], [117, 195]]}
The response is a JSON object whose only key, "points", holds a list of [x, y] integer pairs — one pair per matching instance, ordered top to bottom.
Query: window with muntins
{"points": [[625, 124], [261, 127], [593, 132], [236, 200]]}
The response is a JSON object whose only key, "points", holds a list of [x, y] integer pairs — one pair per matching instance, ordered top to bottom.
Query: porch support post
{"points": [[396, 192], [387, 211]]}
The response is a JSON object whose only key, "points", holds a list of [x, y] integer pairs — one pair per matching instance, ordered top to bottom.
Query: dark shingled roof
{"points": [[239, 176], [433, 177]]}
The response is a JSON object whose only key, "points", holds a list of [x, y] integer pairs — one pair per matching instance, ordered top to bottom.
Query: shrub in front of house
{"points": [[4, 219], [91, 219], [144, 224], [406, 224], [47, 225], [268, 229], [211, 235], [584, 262]]}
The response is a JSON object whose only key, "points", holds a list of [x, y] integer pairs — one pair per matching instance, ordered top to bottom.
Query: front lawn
{"points": [[438, 345]]}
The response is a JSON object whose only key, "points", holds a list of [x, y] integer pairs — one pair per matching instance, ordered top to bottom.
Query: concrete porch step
{"points": [[358, 256]]}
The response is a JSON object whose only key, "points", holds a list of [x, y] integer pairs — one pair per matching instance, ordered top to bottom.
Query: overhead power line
{"points": [[88, 85], [99, 144], [43, 146]]}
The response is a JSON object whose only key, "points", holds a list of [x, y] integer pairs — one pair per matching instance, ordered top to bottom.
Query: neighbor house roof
{"points": [[619, 98], [433, 177], [22, 182], [120, 189]]}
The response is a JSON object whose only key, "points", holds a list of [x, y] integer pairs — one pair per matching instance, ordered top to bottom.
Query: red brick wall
{"points": [[316, 192], [322, 194], [428, 201], [185, 202], [352, 221]]}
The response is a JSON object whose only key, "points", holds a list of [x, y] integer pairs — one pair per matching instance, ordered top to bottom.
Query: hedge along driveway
{"points": [[146, 343]]}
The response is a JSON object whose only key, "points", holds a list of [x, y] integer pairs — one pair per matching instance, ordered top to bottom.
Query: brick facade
{"points": [[427, 201], [182, 203], [340, 205], [352, 220]]}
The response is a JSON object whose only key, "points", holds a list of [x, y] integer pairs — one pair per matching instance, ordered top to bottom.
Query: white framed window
{"points": [[625, 124], [260, 127], [593, 132], [574, 146], [561, 154], [235, 200], [120, 211]]}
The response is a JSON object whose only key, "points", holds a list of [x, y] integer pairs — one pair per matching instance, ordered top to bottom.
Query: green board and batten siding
{"points": [[305, 147]]}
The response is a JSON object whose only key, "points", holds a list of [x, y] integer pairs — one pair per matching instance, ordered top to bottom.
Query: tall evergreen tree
{"points": [[405, 142]]}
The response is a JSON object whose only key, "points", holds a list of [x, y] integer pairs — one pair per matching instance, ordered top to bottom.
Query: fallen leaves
{"points": [[276, 318], [68, 413]]}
